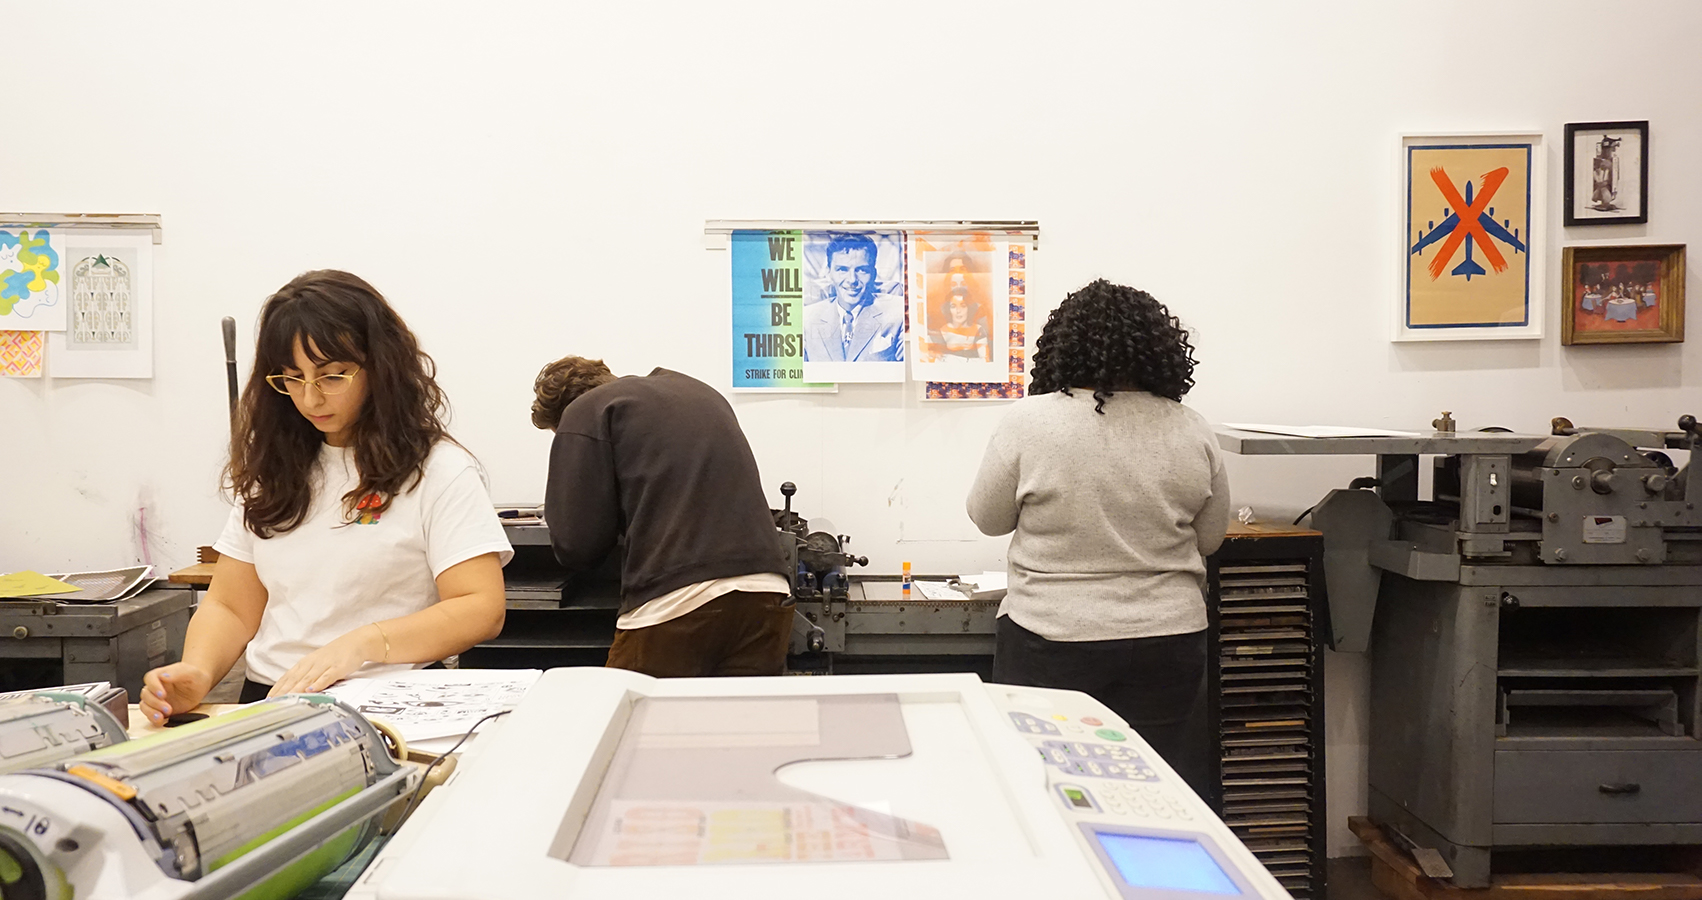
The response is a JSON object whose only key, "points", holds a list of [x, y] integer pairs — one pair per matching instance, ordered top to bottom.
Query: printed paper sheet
{"points": [[434, 703]]}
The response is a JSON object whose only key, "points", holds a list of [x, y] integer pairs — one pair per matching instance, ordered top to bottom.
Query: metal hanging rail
{"points": [[86, 221], [1025, 228]]}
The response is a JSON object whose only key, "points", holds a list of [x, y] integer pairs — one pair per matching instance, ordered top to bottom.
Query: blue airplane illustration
{"points": [[1469, 266]]}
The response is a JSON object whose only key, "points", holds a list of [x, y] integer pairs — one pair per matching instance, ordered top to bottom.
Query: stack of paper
{"points": [[32, 584], [111, 584], [985, 586]]}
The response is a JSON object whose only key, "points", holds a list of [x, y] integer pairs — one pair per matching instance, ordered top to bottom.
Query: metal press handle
{"points": [[1630, 787]]}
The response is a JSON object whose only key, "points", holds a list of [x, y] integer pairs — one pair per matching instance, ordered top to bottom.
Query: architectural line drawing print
{"points": [[1468, 248], [30, 275], [109, 303], [102, 314]]}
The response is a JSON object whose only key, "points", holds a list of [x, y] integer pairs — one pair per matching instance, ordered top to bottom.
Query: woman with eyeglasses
{"points": [[363, 536]]}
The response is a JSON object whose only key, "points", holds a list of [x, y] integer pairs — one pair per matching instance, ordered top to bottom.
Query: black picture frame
{"points": [[1599, 194]]}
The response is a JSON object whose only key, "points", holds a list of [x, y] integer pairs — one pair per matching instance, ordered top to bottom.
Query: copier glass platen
{"points": [[608, 783]]}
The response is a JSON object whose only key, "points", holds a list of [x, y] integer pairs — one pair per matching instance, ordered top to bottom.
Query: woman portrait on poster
{"points": [[962, 329], [362, 536]]}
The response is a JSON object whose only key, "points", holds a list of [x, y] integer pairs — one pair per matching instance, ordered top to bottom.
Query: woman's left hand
{"points": [[328, 665]]}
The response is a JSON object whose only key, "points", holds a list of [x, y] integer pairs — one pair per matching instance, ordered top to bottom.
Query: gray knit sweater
{"points": [[1113, 514]]}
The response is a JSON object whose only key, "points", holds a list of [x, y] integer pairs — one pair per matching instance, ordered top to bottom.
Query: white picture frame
{"points": [[1483, 280], [109, 329]]}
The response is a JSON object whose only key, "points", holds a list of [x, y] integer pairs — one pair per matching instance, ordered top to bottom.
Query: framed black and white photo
{"points": [[1607, 173]]}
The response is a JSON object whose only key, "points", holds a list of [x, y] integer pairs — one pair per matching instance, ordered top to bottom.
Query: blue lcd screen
{"points": [[1152, 862]]}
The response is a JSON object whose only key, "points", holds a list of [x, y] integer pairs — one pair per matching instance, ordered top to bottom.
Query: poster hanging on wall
{"points": [[1472, 258], [31, 276], [108, 289], [768, 294], [853, 305], [813, 308], [960, 308], [21, 353], [1010, 361]]}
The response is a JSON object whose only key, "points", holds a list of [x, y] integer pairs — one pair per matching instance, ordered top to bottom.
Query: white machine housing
{"points": [[41, 728], [1032, 792], [268, 797]]}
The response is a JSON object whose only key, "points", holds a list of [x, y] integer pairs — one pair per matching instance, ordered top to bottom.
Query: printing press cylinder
{"points": [[1600, 500], [42, 728], [152, 817]]}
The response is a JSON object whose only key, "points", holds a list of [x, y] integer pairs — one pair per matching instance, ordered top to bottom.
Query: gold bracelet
{"points": [[386, 641]]}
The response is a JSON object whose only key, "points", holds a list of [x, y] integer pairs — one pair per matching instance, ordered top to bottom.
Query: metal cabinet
{"points": [[45, 642], [1265, 692]]}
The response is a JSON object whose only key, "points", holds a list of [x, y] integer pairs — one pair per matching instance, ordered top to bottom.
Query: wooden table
{"points": [[198, 575], [140, 727]]}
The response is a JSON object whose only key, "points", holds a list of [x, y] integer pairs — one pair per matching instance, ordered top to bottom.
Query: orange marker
{"points": [[906, 582]]}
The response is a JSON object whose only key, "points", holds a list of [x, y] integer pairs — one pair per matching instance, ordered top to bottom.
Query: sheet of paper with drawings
{"points": [[428, 704]]}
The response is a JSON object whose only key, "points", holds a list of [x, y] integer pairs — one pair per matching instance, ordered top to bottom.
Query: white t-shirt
{"points": [[330, 576], [674, 604]]}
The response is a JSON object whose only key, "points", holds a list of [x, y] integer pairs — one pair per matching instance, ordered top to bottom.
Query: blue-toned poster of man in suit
{"points": [[854, 301]]}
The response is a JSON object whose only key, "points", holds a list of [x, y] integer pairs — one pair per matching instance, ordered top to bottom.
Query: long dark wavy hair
{"points": [[1111, 338], [274, 448]]}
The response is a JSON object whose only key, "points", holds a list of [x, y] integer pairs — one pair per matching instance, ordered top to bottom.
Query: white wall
{"points": [[526, 180]]}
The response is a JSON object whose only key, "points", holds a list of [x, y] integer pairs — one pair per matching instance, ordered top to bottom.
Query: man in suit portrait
{"points": [[849, 326]]}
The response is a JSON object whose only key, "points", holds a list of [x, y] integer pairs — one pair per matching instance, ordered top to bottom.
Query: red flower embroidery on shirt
{"points": [[368, 507]]}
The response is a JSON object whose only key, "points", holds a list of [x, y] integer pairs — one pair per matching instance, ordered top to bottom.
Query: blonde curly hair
{"points": [[560, 383]]}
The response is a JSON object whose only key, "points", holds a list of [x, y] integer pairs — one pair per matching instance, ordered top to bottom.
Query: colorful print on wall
{"points": [[1472, 260], [108, 288], [768, 292], [1623, 295], [31, 296], [855, 305], [812, 309], [960, 309], [20, 353], [1010, 386]]}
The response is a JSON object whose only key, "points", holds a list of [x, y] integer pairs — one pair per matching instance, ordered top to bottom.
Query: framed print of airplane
{"points": [[1472, 266]]}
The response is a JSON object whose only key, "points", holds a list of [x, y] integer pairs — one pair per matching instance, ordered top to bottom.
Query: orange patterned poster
{"points": [[20, 353]]}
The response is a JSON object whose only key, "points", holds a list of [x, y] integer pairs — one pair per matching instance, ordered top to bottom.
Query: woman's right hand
{"points": [[173, 689]]}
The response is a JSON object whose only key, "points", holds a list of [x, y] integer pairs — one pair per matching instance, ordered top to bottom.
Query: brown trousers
{"points": [[738, 633]]}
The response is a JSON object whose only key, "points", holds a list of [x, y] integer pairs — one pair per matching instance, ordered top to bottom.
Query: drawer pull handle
{"points": [[1627, 788]]}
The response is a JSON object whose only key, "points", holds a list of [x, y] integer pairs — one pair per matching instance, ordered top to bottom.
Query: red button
{"points": [[1089, 720]]}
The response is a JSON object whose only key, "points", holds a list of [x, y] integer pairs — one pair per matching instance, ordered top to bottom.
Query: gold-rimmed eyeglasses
{"points": [[326, 384]]}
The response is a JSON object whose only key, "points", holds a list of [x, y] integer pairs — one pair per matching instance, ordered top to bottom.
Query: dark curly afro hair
{"points": [[1111, 338]]}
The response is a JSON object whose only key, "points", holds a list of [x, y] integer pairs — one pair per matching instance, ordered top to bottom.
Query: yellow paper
{"points": [[32, 584]]}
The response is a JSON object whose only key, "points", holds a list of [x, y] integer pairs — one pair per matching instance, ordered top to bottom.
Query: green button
{"points": [[1111, 734]]}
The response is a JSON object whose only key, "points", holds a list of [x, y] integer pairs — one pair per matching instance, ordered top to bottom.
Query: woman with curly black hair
{"points": [[1116, 493], [363, 536]]}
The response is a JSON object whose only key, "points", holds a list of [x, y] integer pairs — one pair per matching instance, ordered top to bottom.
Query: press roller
{"points": [[42, 728], [255, 803]]}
